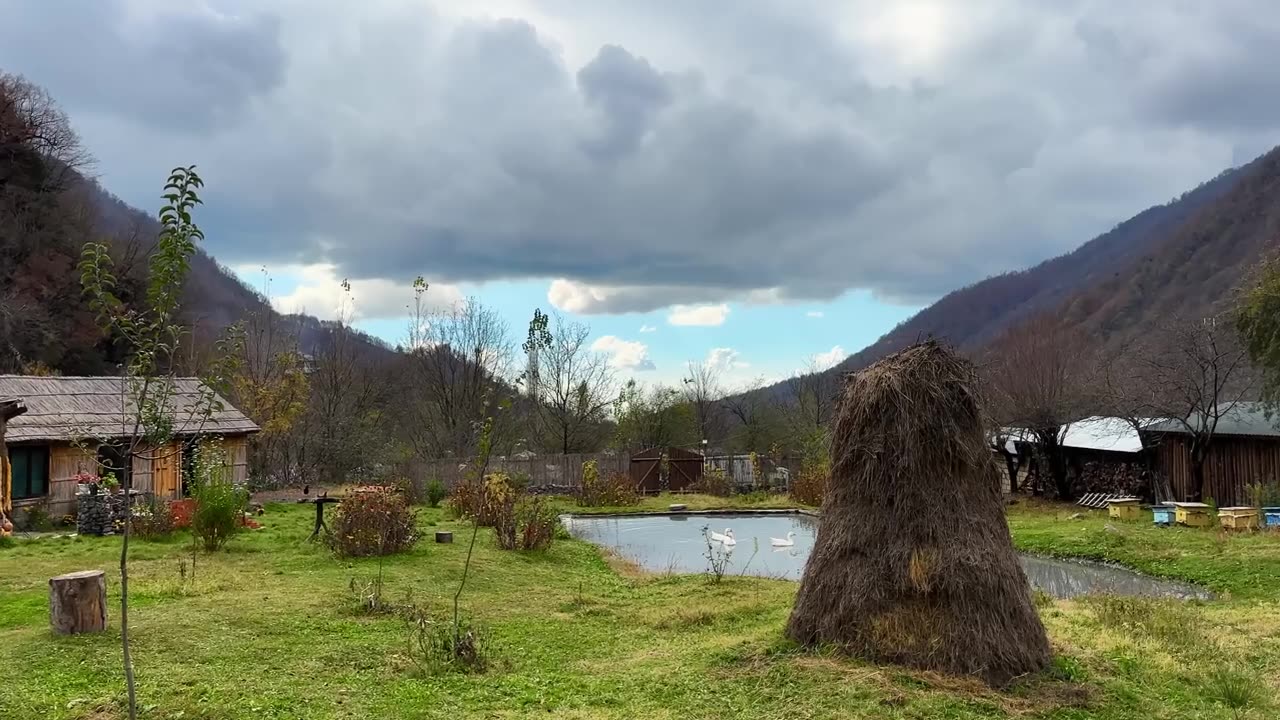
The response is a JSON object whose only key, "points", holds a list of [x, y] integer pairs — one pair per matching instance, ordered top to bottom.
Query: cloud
{"points": [[661, 153], [318, 291], [814, 314], [700, 315], [648, 329], [624, 354], [830, 358], [724, 360]]}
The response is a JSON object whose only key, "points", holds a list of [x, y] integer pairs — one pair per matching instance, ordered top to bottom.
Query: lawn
{"points": [[269, 629]]}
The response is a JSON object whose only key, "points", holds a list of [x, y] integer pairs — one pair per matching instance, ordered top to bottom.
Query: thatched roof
{"points": [[70, 408]]}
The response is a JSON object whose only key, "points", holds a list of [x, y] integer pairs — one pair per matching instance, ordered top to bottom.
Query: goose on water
{"points": [[724, 539], [780, 542]]}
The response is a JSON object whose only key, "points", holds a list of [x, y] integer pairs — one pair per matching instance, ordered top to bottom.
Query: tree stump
{"points": [[444, 536], [78, 602]]}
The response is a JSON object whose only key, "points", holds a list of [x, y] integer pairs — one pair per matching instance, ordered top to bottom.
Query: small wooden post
{"points": [[444, 536], [78, 602]]}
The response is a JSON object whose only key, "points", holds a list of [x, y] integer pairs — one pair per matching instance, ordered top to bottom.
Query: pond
{"points": [[675, 543]]}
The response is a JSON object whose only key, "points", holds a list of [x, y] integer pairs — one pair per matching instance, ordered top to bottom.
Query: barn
{"points": [[74, 425], [1244, 450]]}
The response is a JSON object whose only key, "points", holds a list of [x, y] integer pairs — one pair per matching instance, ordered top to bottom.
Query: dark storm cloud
{"points": [[184, 68], [669, 152]]}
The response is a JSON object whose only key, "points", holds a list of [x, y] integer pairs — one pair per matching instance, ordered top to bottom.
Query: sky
{"points": [[761, 185]]}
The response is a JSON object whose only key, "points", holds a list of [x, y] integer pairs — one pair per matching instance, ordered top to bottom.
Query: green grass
{"points": [[267, 629]]}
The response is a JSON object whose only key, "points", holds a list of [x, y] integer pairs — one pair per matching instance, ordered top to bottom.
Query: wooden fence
{"points": [[559, 471]]}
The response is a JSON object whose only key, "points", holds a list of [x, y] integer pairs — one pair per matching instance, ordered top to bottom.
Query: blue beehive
{"points": [[1164, 514], [1271, 517]]}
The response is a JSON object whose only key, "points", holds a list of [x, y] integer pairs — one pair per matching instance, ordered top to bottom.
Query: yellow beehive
{"points": [[1125, 509], [1192, 514], [1239, 518]]}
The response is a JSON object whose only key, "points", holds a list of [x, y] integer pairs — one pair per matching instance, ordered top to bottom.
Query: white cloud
{"points": [[319, 292], [814, 314], [699, 315], [648, 329], [624, 354], [830, 358], [725, 359]]}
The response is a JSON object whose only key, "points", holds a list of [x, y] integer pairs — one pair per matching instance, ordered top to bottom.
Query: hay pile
{"points": [[913, 562]]}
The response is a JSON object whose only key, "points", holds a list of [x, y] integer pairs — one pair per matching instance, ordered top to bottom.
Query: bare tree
{"points": [[36, 139], [456, 356], [1192, 374], [1040, 380], [572, 387], [702, 392], [751, 410], [657, 418]]}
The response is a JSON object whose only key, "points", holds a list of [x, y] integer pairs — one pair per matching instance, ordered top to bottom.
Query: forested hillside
{"points": [[48, 210]]}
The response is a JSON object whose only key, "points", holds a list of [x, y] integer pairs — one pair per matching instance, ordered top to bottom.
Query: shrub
{"points": [[714, 481], [809, 486], [412, 489], [613, 489], [435, 492], [219, 507], [34, 519], [153, 519], [371, 522], [537, 523], [436, 647]]}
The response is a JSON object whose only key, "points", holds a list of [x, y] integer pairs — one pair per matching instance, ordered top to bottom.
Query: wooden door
{"points": [[684, 468], [646, 471], [166, 476]]}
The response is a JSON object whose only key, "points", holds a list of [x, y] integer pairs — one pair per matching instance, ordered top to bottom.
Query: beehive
{"points": [[1125, 508], [1163, 514], [1192, 514], [1271, 517], [1238, 518]]}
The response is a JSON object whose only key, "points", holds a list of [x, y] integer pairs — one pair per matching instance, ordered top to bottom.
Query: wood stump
{"points": [[444, 536], [78, 602]]}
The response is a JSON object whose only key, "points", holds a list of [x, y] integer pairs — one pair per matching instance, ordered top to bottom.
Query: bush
{"points": [[714, 481], [809, 486], [614, 489], [413, 490], [435, 492], [219, 507], [153, 519], [371, 522], [537, 523], [435, 647]]}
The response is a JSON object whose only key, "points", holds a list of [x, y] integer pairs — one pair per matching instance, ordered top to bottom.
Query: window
{"points": [[30, 471]]}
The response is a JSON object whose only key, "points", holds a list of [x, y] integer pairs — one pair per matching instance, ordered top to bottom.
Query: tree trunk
{"points": [[1197, 475], [78, 602]]}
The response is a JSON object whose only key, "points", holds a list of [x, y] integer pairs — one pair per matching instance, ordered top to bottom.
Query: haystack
{"points": [[913, 563]]}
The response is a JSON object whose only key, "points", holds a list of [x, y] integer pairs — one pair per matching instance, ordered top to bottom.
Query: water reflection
{"points": [[676, 544]]}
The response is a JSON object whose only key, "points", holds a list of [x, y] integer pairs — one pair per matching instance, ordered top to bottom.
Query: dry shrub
{"points": [[714, 481], [809, 486], [611, 490], [152, 519], [374, 521], [537, 523], [913, 552], [436, 647]]}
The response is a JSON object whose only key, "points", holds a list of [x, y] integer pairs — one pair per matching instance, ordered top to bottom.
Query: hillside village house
{"points": [[75, 425]]}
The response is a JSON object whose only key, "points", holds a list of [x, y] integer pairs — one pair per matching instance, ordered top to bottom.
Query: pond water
{"points": [[675, 543]]}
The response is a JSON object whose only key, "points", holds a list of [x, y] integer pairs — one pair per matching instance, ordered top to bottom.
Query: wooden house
{"points": [[75, 425], [1245, 449]]}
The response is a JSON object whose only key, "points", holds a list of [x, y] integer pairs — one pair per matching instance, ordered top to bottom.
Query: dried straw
{"points": [[913, 563]]}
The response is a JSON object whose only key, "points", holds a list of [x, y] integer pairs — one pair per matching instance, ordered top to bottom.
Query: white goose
{"points": [[725, 539], [780, 542]]}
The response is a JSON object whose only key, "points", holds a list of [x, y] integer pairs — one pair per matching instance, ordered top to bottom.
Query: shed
{"points": [[77, 424], [1245, 450]]}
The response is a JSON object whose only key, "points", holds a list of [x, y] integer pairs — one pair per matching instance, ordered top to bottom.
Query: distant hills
{"points": [[1181, 259]]}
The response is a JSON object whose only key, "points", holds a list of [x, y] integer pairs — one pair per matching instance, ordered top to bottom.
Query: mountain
{"points": [[974, 315]]}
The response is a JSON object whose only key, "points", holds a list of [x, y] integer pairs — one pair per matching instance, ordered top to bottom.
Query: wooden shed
{"points": [[76, 425], [1245, 449]]}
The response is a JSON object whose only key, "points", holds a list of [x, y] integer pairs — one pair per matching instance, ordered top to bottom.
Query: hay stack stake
{"points": [[913, 563]]}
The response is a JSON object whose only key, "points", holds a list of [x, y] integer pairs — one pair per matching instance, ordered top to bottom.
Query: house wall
{"points": [[237, 450], [65, 462], [1234, 462]]}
